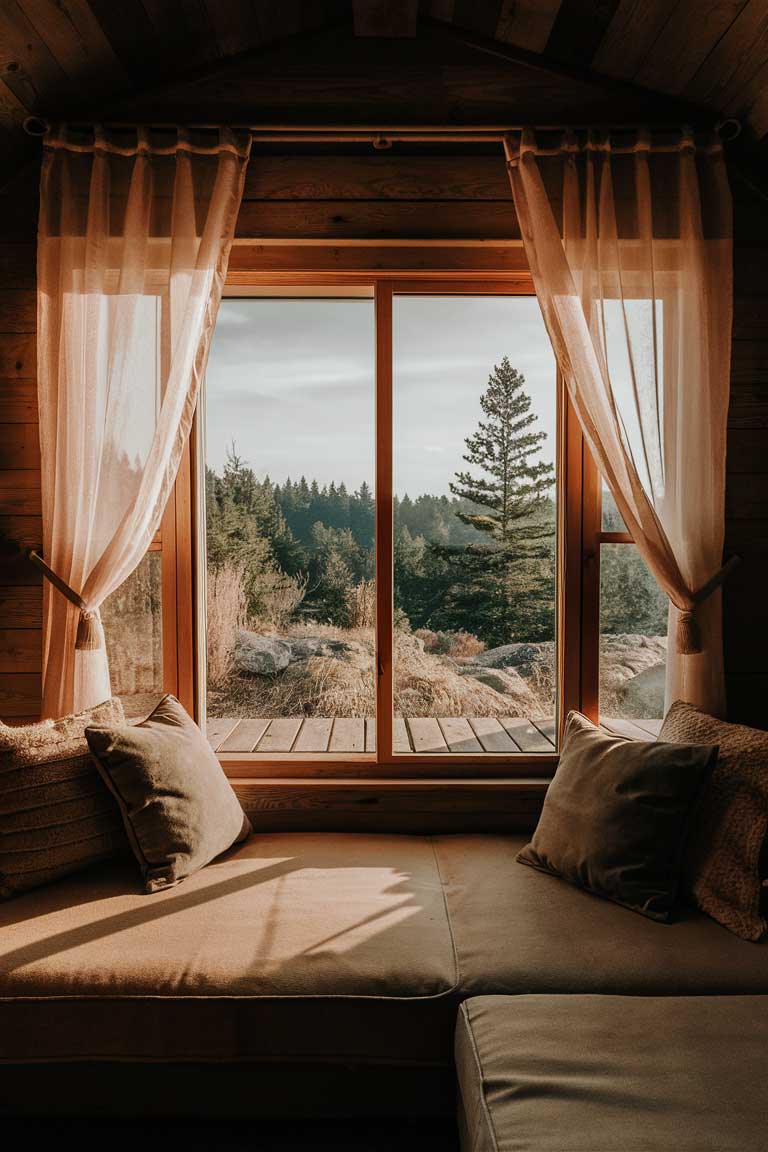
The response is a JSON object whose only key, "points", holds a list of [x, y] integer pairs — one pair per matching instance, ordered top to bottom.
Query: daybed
{"points": [[325, 971]]}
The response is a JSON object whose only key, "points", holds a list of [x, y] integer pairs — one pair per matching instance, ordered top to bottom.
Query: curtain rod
{"points": [[379, 136]]}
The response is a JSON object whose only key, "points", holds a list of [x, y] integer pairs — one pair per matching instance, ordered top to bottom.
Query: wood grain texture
{"points": [[527, 23], [376, 177], [377, 220], [20, 649]]}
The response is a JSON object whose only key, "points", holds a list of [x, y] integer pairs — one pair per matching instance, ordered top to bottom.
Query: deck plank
{"points": [[547, 726], [652, 727], [627, 728], [218, 729], [370, 734], [426, 734], [314, 735], [348, 735], [459, 735], [491, 735], [526, 735], [280, 736], [244, 737], [400, 741]]}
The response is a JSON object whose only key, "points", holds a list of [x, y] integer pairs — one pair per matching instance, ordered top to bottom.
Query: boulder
{"points": [[307, 647], [261, 655], [523, 657], [642, 696], [522, 701]]}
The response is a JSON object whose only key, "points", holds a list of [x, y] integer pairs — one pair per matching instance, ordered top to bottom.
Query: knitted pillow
{"points": [[56, 814], [727, 865]]}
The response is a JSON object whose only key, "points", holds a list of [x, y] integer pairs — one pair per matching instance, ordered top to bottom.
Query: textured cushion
{"points": [[179, 809], [55, 813], [616, 815], [727, 863], [518, 930], [303, 946], [636, 1074]]}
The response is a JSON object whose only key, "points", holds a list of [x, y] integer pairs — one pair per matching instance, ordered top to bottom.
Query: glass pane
{"points": [[290, 453], [611, 518], [475, 525], [133, 626], [633, 636]]}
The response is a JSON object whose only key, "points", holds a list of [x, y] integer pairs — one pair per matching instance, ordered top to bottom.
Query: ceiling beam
{"points": [[385, 17]]}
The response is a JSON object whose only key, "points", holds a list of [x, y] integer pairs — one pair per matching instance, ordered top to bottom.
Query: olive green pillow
{"points": [[178, 807], [616, 816], [727, 860]]}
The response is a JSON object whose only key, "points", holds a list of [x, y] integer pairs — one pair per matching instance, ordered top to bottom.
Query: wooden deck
{"points": [[466, 734]]}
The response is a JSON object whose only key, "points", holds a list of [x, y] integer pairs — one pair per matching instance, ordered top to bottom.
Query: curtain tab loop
{"points": [[643, 141], [687, 141], [89, 630]]}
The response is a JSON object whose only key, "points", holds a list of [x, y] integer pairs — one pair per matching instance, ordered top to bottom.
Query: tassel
{"points": [[88, 631], [688, 633]]}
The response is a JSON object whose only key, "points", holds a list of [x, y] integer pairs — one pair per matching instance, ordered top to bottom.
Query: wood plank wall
{"points": [[337, 198], [20, 521]]}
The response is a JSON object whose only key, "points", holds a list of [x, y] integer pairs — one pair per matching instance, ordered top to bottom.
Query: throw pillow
{"points": [[178, 807], [616, 815], [56, 816], [727, 860]]}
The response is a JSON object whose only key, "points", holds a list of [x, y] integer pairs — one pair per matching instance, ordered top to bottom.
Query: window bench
{"points": [[302, 958]]}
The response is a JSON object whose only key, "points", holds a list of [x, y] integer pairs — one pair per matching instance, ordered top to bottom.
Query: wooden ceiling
{"points": [[371, 61]]}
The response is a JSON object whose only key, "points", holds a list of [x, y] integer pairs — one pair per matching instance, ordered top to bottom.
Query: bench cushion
{"points": [[518, 930], [292, 946], [326, 947], [599, 1073]]}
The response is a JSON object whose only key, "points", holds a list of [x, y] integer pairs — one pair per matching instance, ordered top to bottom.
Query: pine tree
{"points": [[514, 485], [507, 584]]}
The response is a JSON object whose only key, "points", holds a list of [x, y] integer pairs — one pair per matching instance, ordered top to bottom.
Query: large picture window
{"points": [[382, 544]]}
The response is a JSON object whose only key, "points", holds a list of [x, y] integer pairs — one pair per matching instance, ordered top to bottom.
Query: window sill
{"points": [[415, 804]]}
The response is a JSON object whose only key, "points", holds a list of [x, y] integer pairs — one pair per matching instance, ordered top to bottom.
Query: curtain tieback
{"points": [[688, 629], [89, 631]]}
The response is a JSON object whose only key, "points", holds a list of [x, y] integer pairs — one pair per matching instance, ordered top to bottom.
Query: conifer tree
{"points": [[512, 485], [506, 584]]}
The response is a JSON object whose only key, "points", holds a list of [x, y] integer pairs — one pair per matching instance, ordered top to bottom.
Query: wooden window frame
{"points": [[385, 765]]}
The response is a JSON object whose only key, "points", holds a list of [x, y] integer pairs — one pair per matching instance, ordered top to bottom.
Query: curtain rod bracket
{"points": [[35, 126]]}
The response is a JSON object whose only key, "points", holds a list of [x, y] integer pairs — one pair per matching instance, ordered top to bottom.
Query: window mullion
{"points": [[384, 524]]}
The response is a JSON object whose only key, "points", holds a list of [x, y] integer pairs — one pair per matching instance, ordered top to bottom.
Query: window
{"points": [[383, 564], [632, 625], [148, 654]]}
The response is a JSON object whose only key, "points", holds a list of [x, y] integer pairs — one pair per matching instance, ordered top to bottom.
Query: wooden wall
{"points": [[333, 201], [20, 587]]}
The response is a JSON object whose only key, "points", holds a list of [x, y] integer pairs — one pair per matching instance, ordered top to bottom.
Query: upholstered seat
{"points": [[518, 930], [291, 946], [327, 949], [601, 1073]]}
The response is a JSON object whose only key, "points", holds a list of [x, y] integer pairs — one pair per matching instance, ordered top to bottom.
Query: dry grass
{"points": [[360, 604], [226, 616], [455, 644], [425, 684]]}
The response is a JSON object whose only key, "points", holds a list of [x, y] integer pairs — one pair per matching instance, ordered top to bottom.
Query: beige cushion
{"points": [[179, 809], [56, 815], [615, 818], [728, 854], [518, 930], [303, 946], [603, 1073]]}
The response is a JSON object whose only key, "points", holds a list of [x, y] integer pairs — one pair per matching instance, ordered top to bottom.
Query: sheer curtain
{"points": [[134, 238], [630, 246]]}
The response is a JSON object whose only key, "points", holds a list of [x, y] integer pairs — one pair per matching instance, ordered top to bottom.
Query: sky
{"points": [[291, 382]]}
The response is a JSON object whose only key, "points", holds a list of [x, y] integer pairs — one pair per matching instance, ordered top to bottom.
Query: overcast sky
{"points": [[292, 383]]}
